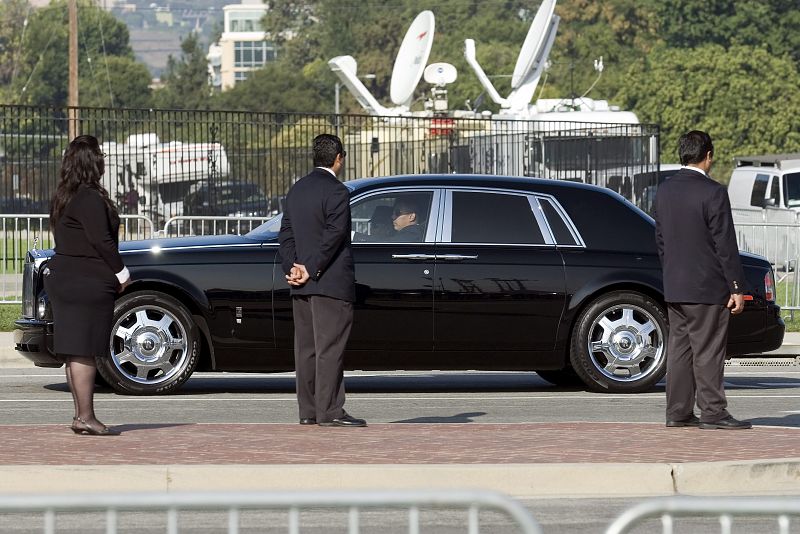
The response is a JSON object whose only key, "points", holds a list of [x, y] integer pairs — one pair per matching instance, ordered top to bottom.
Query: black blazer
{"points": [[88, 228], [315, 232], [696, 240]]}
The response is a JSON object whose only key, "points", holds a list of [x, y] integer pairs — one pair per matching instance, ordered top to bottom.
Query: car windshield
{"points": [[792, 189], [272, 226]]}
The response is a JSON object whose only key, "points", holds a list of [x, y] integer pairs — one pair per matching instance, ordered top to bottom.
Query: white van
{"points": [[766, 188]]}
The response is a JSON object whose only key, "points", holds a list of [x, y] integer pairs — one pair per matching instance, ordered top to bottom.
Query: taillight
{"points": [[769, 286]]}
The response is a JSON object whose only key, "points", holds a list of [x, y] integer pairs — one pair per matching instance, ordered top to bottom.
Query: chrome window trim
{"points": [[573, 230], [430, 232], [447, 233], [548, 236], [191, 247]]}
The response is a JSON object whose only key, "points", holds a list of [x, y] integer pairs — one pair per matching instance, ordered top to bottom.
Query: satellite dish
{"points": [[530, 54], [412, 58], [440, 73]]}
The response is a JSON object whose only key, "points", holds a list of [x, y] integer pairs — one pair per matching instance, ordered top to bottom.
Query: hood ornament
{"points": [[35, 243]]}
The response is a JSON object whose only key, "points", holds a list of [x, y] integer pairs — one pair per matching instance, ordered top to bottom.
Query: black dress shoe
{"points": [[345, 420], [308, 421], [691, 421], [729, 423]]}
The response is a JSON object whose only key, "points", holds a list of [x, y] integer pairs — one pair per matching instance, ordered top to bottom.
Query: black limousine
{"points": [[507, 274]]}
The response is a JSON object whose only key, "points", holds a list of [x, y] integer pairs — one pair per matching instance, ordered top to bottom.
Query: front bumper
{"points": [[33, 339]]}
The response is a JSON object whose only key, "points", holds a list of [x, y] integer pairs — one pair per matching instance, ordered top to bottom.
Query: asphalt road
{"points": [[765, 395]]}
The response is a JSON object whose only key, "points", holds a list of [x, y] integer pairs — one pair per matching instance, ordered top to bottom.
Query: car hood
{"points": [[127, 247]]}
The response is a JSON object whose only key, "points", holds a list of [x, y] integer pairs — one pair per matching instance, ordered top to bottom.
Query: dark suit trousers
{"points": [[321, 328], [698, 335]]}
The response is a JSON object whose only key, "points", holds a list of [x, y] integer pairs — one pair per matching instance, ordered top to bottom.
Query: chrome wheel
{"points": [[626, 343], [149, 345]]}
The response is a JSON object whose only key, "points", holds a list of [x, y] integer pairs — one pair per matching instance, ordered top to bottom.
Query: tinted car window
{"points": [[759, 190], [397, 217], [493, 218], [608, 222], [559, 228]]}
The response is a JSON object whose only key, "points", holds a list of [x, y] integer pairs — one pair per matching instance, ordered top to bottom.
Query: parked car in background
{"points": [[227, 199], [21, 204], [506, 273]]}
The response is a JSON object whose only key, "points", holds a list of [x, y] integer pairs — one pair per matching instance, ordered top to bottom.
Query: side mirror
{"points": [[769, 202]]}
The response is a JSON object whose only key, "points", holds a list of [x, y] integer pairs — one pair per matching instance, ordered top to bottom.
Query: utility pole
{"points": [[72, 98]]}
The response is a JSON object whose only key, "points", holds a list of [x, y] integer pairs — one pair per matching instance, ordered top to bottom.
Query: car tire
{"points": [[619, 343], [154, 345], [566, 378]]}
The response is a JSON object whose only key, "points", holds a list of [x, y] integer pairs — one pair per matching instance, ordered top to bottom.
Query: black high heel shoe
{"points": [[84, 427]]}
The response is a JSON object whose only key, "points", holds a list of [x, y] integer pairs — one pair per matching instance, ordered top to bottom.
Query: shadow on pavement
{"points": [[458, 418], [791, 420], [124, 429]]}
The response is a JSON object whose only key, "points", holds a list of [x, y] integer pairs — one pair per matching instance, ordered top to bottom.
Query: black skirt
{"points": [[82, 293]]}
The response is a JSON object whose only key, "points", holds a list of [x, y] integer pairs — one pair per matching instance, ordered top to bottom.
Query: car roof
{"points": [[469, 180]]}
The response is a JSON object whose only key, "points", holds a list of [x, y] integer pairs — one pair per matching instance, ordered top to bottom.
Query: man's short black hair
{"points": [[693, 147], [326, 148]]}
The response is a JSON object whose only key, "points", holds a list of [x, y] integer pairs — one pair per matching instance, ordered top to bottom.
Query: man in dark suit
{"points": [[316, 258], [703, 285]]}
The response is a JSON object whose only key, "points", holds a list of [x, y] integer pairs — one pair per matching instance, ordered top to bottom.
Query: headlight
{"points": [[42, 308]]}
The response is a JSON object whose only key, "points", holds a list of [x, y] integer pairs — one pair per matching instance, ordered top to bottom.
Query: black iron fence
{"points": [[164, 163]]}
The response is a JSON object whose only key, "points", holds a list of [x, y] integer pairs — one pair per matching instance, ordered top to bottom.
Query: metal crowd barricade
{"points": [[186, 225], [24, 231], [780, 244], [293, 502], [668, 509]]}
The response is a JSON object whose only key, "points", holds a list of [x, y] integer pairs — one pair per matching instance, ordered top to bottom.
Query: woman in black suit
{"points": [[85, 274]]}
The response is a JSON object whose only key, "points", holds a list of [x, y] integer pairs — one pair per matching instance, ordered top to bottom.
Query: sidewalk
{"points": [[521, 460]]}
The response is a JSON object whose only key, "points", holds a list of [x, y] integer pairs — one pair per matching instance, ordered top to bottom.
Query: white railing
{"points": [[185, 225], [22, 232], [780, 244], [234, 504], [726, 509]]}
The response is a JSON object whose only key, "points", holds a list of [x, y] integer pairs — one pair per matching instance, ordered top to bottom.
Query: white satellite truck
{"points": [[147, 177], [766, 189]]}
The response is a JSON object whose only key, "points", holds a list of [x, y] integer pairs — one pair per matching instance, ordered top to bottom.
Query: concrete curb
{"points": [[763, 477]]}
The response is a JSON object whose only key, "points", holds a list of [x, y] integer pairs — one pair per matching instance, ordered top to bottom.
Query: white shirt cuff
{"points": [[124, 275]]}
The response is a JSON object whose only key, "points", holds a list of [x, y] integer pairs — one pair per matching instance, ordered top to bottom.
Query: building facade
{"points": [[243, 46]]}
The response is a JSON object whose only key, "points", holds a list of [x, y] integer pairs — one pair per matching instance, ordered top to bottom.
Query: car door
{"points": [[394, 276], [499, 278]]}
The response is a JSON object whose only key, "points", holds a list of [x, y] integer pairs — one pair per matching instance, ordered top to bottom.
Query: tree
{"points": [[13, 14], [43, 70], [186, 78], [115, 81], [275, 88], [746, 98]]}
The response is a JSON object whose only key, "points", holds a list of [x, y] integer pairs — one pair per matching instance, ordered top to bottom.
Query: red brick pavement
{"points": [[393, 444]]}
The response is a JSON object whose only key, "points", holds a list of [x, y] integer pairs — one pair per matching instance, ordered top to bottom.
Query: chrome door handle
{"points": [[413, 256], [455, 257]]}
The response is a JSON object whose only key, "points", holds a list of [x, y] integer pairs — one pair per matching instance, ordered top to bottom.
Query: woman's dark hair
{"points": [[82, 165]]}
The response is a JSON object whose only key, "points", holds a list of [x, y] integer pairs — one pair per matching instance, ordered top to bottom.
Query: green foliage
{"points": [[12, 18], [43, 68], [186, 78], [116, 81], [277, 87], [746, 98]]}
